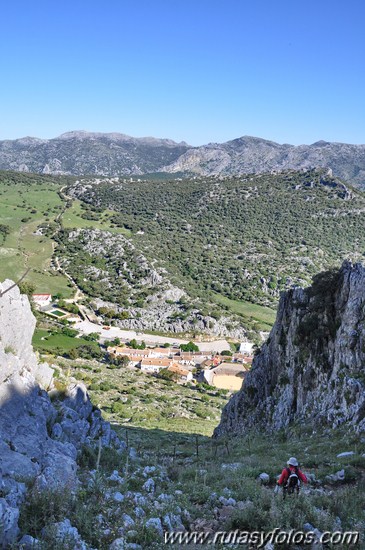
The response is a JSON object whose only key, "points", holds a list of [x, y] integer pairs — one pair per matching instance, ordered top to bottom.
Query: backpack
{"points": [[293, 483]]}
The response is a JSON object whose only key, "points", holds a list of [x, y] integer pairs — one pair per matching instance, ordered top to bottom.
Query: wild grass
{"points": [[264, 316], [199, 470]]}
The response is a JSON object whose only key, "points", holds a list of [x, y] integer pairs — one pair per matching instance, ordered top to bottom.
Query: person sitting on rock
{"points": [[291, 476]]}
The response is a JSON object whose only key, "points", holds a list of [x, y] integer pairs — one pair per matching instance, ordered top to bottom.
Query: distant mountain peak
{"points": [[83, 134], [29, 140], [320, 143], [80, 152]]}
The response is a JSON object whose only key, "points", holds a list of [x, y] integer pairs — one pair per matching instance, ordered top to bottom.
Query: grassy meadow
{"points": [[26, 203], [73, 218], [261, 317], [47, 341]]}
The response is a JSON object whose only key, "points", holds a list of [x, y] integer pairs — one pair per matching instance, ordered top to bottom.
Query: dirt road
{"points": [[85, 327]]}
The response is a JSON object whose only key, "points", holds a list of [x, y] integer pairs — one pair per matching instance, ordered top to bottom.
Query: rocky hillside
{"points": [[80, 153], [86, 153], [247, 155], [246, 238], [109, 268], [311, 370], [41, 434]]}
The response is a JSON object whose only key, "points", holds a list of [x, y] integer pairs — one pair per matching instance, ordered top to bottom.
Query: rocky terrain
{"points": [[83, 153], [86, 153], [248, 155], [109, 268], [311, 369], [42, 433], [61, 489]]}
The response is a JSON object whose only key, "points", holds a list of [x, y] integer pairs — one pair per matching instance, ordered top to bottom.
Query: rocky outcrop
{"points": [[311, 369], [39, 439]]}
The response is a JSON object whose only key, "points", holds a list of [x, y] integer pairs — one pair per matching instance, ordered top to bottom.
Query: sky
{"points": [[195, 70]]}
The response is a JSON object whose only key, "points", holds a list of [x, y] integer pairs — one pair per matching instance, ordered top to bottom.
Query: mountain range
{"points": [[99, 154]]}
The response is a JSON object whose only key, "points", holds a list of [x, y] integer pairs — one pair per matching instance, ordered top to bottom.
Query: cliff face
{"points": [[312, 368], [39, 438]]}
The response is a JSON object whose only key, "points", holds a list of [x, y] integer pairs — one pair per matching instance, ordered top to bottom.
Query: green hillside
{"points": [[29, 209], [244, 238], [232, 244]]}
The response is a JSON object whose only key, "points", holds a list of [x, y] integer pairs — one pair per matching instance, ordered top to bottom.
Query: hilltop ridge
{"points": [[116, 154]]}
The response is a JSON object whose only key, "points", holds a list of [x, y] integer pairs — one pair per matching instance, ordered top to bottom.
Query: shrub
{"points": [[44, 507]]}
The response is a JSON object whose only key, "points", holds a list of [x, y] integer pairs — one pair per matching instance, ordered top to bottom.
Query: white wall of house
{"points": [[246, 347], [151, 368]]}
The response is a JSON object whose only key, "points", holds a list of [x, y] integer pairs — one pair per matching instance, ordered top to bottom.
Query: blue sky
{"points": [[200, 71]]}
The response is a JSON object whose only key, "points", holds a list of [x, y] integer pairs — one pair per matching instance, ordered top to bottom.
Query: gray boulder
{"points": [[264, 478], [8, 523], [154, 524], [69, 535], [27, 542], [118, 544]]}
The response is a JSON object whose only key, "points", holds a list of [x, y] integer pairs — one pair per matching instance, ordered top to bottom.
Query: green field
{"points": [[27, 201], [73, 218], [265, 316], [58, 341]]}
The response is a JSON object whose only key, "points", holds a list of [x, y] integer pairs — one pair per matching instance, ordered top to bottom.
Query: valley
{"points": [[181, 257], [182, 276], [156, 467]]}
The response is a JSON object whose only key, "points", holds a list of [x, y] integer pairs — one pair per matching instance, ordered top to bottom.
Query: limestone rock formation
{"points": [[82, 153], [113, 154], [248, 154], [312, 368], [39, 438]]}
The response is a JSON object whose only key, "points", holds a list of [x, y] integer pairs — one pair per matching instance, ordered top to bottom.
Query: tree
{"points": [[4, 230], [26, 288], [71, 332], [93, 336], [134, 344], [190, 346], [73, 353], [117, 361], [166, 374]]}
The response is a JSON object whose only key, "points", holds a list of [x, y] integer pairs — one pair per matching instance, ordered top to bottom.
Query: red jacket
{"points": [[293, 469]]}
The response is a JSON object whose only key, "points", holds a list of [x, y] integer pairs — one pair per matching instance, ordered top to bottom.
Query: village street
{"points": [[86, 327]]}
